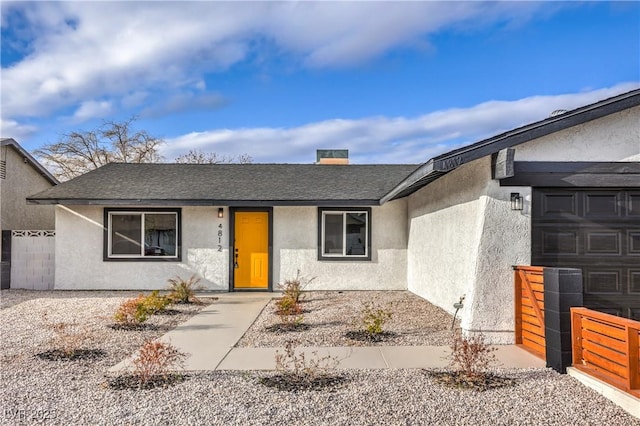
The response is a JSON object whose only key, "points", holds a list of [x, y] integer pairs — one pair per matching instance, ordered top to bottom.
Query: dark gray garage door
{"points": [[597, 231]]}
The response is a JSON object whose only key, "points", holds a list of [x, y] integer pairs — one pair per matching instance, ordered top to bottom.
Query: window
{"points": [[136, 234], [344, 234]]}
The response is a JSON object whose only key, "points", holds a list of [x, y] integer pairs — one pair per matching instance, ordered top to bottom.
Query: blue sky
{"points": [[392, 82]]}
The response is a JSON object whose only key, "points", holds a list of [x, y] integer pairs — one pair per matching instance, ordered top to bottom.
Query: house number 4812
{"points": [[220, 237]]}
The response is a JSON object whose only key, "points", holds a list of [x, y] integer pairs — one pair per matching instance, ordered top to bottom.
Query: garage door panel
{"points": [[559, 204], [601, 204], [633, 204], [597, 231], [634, 242], [559, 243], [603, 243], [602, 281], [634, 281]]}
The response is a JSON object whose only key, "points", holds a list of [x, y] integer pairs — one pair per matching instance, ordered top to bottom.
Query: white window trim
{"points": [[344, 234], [110, 255]]}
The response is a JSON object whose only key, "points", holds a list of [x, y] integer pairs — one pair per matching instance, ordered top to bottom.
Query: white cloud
{"points": [[78, 51], [92, 109], [15, 130], [385, 139]]}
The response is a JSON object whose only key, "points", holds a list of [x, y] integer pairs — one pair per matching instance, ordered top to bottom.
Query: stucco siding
{"points": [[615, 137], [21, 181], [444, 228], [295, 231], [464, 238], [79, 253]]}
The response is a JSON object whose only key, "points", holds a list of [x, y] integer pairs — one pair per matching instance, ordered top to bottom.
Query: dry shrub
{"points": [[293, 288], [132, 312], [68, 338], [471, 356], [154, 361], [297, 372]]}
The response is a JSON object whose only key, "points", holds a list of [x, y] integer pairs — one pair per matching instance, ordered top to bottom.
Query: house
{"points": [[20, 176], [562, 191]]}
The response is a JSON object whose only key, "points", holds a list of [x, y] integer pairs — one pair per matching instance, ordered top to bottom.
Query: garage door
{"points": [[597, 231]]}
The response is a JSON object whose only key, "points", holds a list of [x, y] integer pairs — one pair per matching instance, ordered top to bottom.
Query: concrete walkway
{"points": [[210, 335]]}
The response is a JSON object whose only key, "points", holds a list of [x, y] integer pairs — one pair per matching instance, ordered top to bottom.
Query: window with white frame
{"points": [[142, 234], [344, 234]]}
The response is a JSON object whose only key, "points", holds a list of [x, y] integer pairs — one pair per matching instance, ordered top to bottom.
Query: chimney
{"points": [[332, 156]]}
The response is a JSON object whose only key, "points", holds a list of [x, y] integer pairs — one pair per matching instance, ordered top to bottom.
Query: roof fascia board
{"points": [[32, 161], [424, 170], [232, 203]]}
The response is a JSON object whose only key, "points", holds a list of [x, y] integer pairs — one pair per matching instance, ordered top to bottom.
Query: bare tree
{"points": [[113, 142], [195, 156]]}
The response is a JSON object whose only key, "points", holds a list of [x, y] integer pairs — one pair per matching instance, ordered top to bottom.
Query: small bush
{"points": [[293, 288], [183, 291], [154, 303], [287, 306], [132, 312], [289, 313], [373, 318], [67, 339], [471, 356], [155, 360], [297, 372]]}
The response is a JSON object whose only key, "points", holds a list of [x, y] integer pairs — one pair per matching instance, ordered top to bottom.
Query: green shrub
{"points": [[183, 291], [155, 303], [287, 305], [132, 312], [289, 313], [373, 317]]}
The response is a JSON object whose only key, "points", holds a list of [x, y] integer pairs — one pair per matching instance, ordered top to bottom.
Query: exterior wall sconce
{"points": [[516, 201], [220, 212]]}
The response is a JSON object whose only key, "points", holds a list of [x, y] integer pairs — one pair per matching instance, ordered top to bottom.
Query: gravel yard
{"points": [[331, 314], [37, 391]]}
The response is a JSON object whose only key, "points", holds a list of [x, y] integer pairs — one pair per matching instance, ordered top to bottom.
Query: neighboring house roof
{"points": [[29, 159], [443, 164], [228, 184]]}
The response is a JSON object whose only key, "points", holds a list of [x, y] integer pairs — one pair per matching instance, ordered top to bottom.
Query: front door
{"points": [[251, 250]]}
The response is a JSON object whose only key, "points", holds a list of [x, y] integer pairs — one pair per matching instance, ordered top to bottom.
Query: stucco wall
{"points": [[615, 137], [21, 181], [295, 231], [464, 237], [79, 253]]}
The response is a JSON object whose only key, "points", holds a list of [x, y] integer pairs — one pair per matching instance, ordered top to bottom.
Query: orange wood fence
{"points": [[529, 286], [607, 347]]}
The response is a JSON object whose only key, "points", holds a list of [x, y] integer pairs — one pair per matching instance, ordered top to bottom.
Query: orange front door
{"points": [[251, 250]]}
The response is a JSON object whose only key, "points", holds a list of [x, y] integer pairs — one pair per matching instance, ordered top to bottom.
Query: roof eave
{"points": [[30, 160], [440, 165], [201, 202]]}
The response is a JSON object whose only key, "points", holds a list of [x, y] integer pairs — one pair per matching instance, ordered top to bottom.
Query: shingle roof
{"points": [[228, 184]]}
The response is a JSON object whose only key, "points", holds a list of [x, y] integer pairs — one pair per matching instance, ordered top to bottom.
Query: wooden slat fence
{"points": [[529, 292], [607, 347]]}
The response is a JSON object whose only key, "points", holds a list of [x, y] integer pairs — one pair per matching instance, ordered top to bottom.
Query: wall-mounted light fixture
{"points": [[516, 201], [220, 212]]}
